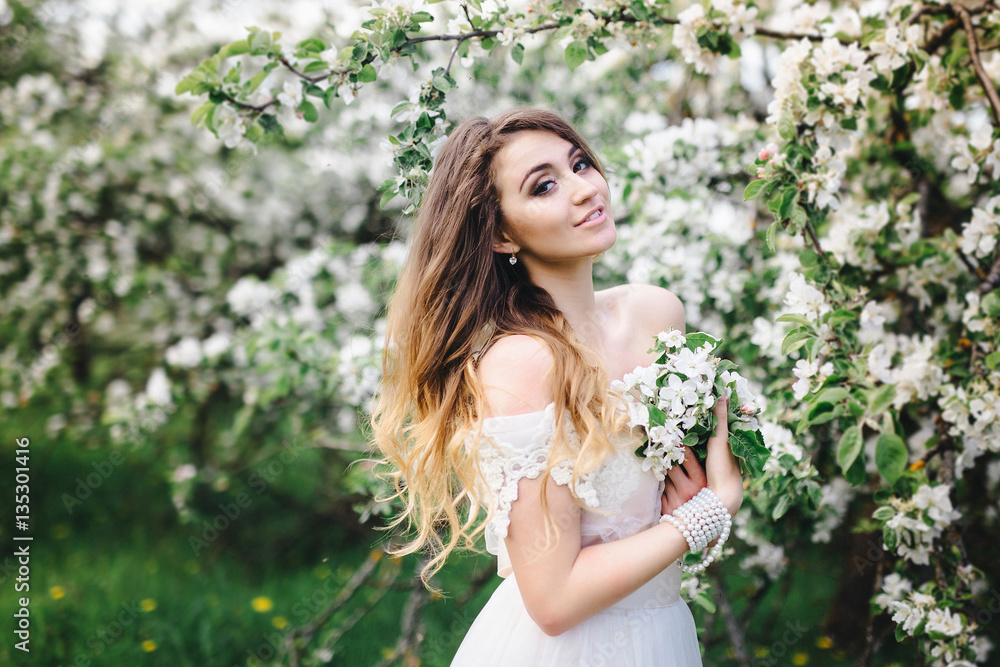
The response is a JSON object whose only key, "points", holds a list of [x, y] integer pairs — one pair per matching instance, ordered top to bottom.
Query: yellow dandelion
{"points": [[60, 531], [57, 592], [149, 604], [262, 604], [279, 622], [824, 642], [149, 646], [761, 651], [800, 659]]}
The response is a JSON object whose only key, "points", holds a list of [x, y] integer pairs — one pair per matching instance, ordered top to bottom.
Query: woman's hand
{"points": [[721, 467], [682, 483]]}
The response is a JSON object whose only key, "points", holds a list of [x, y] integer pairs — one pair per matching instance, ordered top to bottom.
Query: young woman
{"points": [[497, 395]]}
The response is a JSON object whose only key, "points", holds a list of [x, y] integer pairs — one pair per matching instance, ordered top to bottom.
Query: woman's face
{"points": [[554, 201]]}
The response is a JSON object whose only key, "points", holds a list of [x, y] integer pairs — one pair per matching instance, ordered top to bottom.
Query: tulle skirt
{"points": [[652, 627]]}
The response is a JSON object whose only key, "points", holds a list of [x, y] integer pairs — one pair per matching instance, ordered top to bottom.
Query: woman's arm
{"points": [[570, 584], [565, 585]]}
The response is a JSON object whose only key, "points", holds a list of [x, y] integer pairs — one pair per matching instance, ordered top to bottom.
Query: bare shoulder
{"points": [[648, 308], [515, 375]]}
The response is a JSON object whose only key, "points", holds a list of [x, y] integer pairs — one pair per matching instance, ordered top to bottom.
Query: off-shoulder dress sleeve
{"points": [[513, 448]]}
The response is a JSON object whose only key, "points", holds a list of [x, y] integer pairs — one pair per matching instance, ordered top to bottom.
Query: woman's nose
{"points": [[583, 189]]}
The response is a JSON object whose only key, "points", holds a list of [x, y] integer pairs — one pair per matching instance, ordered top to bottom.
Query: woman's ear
{"points": [[505, 245]]}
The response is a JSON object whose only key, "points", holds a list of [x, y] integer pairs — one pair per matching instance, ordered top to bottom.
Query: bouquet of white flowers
{"points": [[672, 401]]}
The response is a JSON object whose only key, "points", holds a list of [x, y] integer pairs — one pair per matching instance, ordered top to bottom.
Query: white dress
{"points": [[652, 627]]}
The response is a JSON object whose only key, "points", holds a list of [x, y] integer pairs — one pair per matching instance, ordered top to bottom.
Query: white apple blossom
{"points": [[893, 51], [291, 94], [979, 235], [804, 299], [187, 353], [158, 388], [894, 588]]}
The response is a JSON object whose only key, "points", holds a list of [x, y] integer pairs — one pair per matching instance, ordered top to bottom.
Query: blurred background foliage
{"points": [[190, 331]]}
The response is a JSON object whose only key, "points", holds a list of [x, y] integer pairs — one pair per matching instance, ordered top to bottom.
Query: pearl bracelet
{"points": [[701, 520]]}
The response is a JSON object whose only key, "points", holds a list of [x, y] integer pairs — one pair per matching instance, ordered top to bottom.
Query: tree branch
{"points": [[984, 79], [812, 236], [992, 279], [357, 580], [411, 625], [732, 625], [866, 657]]}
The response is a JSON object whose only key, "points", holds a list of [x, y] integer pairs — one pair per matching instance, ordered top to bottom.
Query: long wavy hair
{"points": [[453, 295]]}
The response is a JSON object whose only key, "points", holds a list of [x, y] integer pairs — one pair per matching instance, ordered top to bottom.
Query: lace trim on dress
{"points": [[517, 447]]}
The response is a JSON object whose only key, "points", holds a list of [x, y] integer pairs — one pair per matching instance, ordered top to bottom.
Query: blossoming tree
{"points": [[857, 290], [866, 308]]}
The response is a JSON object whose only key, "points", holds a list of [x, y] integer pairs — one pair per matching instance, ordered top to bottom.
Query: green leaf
{"points": [[235, 49], [517, 53], [576, 53], [315, 66], [367, 74], [255, 81], [188, 83], [441, 83], [309, 113], [198, 115], [786, 127], [753, 188], [387, 196], [788, 198], [798, 216], [772, 231], [808, 258], [991, 303], [839, 317], [794, 318], [698, 339], [795, 339], [993, 360], [832, 395], [880, 399], [656, 416], [749, 447], [849, 447], [890, 457], [856, 474], [814, 493], [784, 503], [883, 513], [704, 602]]}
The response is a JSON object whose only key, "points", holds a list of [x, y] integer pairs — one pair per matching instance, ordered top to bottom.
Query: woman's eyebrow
{"points": [[545, 165]]}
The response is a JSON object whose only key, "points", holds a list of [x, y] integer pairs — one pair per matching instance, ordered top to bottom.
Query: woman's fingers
{"points": [[721, 468], [695, 471]]}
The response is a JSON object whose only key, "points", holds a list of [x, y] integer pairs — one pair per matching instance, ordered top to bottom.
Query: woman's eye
{"points": [[581, 164], [543, 187]]}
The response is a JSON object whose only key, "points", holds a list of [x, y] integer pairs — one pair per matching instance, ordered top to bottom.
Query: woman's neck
{"points": [[572, 290]]}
